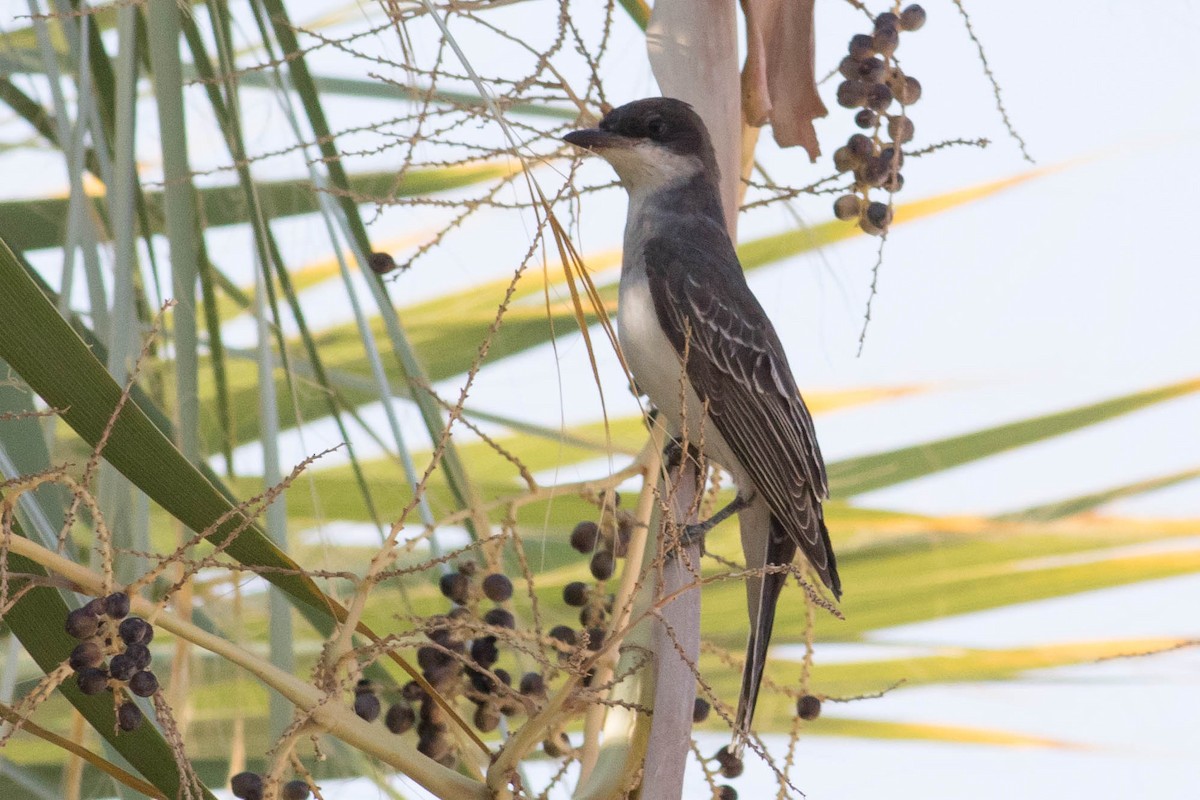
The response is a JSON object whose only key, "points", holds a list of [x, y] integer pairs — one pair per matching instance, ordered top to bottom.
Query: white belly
{"points": [[659, 374]]}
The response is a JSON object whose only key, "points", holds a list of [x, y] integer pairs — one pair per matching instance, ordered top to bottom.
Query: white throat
{"points": [[645, 168]]}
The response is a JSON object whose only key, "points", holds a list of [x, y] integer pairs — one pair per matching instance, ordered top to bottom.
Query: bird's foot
{"points": [[672, 454], [697, 530]]}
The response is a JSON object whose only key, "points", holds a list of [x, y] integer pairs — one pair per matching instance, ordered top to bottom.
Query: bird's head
{"points": [[651, 143]]}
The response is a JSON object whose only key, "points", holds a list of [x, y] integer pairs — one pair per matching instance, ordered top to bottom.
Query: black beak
{"points": [[594, 139]]}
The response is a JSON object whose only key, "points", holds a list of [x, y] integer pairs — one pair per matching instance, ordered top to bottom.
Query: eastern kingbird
{"points": [[682, 291]]}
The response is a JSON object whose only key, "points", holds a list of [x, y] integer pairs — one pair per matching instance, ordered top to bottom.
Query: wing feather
{"points": [[737, 365]]}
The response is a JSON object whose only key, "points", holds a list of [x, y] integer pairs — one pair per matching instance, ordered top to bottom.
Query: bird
{"points": [[699, 345]]}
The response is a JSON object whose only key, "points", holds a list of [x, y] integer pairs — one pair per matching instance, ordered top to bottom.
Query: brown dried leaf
{"points": [[780, 52]]}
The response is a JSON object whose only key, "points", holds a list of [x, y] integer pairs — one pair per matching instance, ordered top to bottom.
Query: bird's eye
{"points": [[655, 127]]}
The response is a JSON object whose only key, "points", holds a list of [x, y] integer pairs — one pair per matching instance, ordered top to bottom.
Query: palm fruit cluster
{"points": [[875, 84], [605, 541], [106, 632], [466, 644], [458, 661], [250, 786]]}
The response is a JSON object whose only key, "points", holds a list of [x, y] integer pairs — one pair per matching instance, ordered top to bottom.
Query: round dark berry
{"points": [[912, 18], [887, 20], [886, 40], [861, 46], [849, 67], [872, 70], [895, 81], [911, 92], [852, 93], [879, 97], [866, 118], [900, 129], [861, 145], [893, 156], [844, 160], [875, 171], [894, 182], [847, 207], [879, 214], [869, 227], [381, 263], [585, 536], [603, 565], [456, 586], [497, 587], [575, 594], [116, 605], [95, 607], [592, 615], [500, 617], [82, 623], [135, 630], [564, 634], [595, 638], [484, 651], [86, 654], [140, 655], [430, 657], [122, 667], [503, 676], [443, 677], [91, 680], [480, 680], [143, 683], [533, 685], [413, 692], [367, 706], [808, 707], [129, 716], [400, 717], [487, 717], [436, 747], [731, 764], [247, 786], [295, 790], [726, 792]]}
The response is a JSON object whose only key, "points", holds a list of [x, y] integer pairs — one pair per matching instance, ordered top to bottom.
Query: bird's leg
{"points": [[697, 530]]}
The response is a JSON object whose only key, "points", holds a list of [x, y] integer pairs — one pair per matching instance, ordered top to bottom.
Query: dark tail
{"points": [[763, 596], [761, 623]]}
